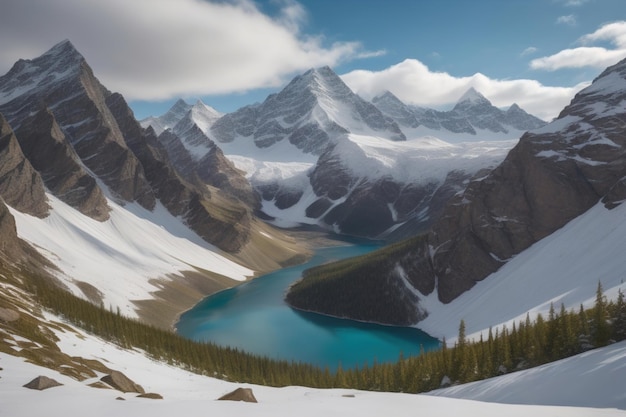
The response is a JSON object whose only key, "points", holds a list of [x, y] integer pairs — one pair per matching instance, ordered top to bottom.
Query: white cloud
{"points": [[574, 3], [566, 20], [614, 32], [158, 49], [529, 51], [589, 56], [578, 58], [413, 82]]}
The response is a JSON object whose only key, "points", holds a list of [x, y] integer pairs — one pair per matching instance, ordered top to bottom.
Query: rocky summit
{"points": [[79, 137]]}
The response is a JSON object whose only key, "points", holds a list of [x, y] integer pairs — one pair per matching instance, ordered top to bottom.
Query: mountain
{"points": [[62, 81], [310, 113], [472, 118], [81, 129], [184, 133], [318, 154], [553, 175], [101, 199]]}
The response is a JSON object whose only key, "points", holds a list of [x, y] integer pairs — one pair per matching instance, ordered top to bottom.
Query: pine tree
{"points": [[619, 322], [600, 329]]}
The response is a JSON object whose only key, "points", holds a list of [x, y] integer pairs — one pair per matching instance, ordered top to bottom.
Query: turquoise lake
{"points": [[254, 317]]}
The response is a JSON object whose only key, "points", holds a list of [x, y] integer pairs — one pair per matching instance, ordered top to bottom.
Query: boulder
{"points": [[42, 382], [121, 382], [240, 394], [151, 395]]}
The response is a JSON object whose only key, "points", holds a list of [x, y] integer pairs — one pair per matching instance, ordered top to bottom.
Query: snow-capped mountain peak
{"points": [[60, 62], [472, 97], [204, 116], [169, 119]]}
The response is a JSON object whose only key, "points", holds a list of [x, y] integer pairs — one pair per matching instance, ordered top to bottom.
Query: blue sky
{"points": [[537, 53]]}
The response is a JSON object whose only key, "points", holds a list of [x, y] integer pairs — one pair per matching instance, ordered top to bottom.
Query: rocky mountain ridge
{"points": [[473, 116], [91, 135], [302, 150], [75, 164]]}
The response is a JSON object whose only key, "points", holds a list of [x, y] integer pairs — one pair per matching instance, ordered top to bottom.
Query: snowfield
{"points": [[121, 255], [564, 267], [594, 379]]}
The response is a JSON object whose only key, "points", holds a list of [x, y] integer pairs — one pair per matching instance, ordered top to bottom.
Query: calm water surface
{"points": [[254, 317]]}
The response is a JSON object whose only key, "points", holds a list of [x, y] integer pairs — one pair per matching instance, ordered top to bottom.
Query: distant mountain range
{"points": [[318, 154]]}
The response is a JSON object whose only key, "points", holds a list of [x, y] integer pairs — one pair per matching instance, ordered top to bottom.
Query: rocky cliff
{"points": [[62, 81], [21, 185]]}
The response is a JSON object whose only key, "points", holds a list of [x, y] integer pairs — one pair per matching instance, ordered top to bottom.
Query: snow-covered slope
{"points": [[424, 161], [125, 256], [564, 267], [591, 379], [579, 384]]}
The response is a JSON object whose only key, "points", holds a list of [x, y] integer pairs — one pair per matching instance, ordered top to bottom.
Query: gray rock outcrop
{"points": [[46, 147], [21, 185], [121, 382], [41, 383], [240, 394]]}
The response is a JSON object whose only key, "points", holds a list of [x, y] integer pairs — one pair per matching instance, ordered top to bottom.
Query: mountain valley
{"points": [[489, 216]]}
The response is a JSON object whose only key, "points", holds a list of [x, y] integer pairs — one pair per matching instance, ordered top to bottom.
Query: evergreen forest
{"points": [[523, 345]]}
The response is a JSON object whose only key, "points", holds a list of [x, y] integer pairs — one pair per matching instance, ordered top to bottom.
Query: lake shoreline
{"points": [[255, 318]]}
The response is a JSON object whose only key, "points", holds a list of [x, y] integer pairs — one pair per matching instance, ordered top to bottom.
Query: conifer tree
{"points": [[619, 321], [600, 329]]}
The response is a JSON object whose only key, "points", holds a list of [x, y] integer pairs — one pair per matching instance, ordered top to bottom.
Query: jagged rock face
{"points": [[61, 80], [305, 113], [472, 113], [184, 137], [46, 147], [216, 170], [553, 175], [21, 185], [360, 206], [382, 206], [223, 223], [9, 242]]}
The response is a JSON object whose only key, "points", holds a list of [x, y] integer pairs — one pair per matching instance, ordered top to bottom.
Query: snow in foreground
{"points": [[564, 267], [593, 379]]}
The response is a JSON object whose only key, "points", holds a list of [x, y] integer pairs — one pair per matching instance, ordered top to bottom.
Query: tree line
{"points": [[526, 344]]}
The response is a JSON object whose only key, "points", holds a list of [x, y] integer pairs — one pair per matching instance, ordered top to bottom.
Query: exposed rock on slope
{"points": [[62, 81], [310, 113], [183, 131], [46, 147], [553, 175], [20, 185], [220, 221]]}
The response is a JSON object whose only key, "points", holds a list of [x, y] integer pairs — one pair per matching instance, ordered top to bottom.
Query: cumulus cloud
{"points": [[566, 20], [158, 49], [589, 56], [413, 82]]}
